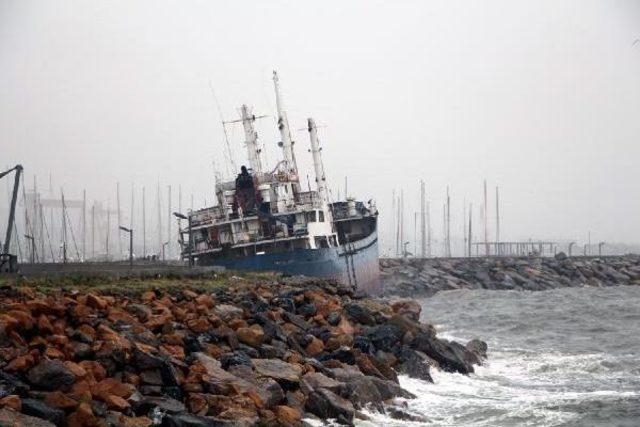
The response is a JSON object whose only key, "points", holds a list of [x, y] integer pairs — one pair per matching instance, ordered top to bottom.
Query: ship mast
{"points": [[285, 133], [251, 138], [321, 180]]}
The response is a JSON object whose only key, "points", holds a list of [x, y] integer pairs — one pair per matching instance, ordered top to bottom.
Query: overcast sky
{"points": [[540, 97]]}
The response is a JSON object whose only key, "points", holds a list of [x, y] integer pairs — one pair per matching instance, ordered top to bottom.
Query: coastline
{"points": [[213, 350]]}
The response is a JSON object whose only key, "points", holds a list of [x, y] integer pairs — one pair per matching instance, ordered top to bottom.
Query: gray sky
{"points": [[540, 97]]}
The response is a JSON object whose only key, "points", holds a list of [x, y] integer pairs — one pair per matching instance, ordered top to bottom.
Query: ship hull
{"points": [[354, 264]]}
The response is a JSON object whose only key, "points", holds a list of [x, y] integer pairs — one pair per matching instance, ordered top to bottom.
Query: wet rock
{"points": [[408, 308], [385, 337], [478, 348], [451, 356], [413, 365], [50, 375], [326, 404], [37, 408]]}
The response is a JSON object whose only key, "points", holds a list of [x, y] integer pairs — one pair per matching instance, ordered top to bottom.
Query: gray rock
{"points": [[277, 369], [50, 375], [326, 404], [37, 408], [16, 419]]}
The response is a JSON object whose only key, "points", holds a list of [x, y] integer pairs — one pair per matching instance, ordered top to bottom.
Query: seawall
{"points": [[423, 277]]}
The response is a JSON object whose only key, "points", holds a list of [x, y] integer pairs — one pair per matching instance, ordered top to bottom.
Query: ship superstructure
{"points": [[264, 221]]}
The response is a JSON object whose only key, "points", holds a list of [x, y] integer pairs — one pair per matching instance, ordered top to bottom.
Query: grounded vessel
{"points": [[264, 221]]}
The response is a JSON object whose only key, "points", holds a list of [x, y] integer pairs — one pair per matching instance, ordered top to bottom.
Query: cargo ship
{"points": [[263, 220]]}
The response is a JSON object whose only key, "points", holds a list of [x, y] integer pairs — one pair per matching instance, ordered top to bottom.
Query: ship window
{"points": [[311, 216], [320, 216]]}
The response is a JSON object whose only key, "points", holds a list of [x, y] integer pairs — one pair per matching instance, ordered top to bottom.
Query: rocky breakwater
{"points": [[424, 277], [278, 352]]}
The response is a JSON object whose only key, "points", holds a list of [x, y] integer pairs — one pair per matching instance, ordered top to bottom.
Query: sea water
{"points": [[564, 357]]}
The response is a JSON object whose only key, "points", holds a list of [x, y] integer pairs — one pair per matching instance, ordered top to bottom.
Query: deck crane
{"points": [[9, 262]]}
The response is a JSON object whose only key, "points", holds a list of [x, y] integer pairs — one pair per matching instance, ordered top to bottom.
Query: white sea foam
{"points": [[555, 373]]}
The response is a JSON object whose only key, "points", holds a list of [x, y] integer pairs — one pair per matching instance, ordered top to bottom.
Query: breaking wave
{"points": [[564, 357]]}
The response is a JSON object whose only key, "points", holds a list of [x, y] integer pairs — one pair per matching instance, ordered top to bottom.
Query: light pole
{"points": [[130, 231], [190, 244], [164, 245], [33, 247]]}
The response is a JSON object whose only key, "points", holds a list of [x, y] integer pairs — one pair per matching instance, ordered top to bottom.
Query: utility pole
{"points": [[133, 192], [393, 212], [119, 220], [402, 220], [497, 222], [159, 223], [448, 224], [84, 225], [144, 225], [464, 225], [64, 228], [93, 230], [486, 231], [423, 234], [470, 238], [168, 242], [429, 253]]}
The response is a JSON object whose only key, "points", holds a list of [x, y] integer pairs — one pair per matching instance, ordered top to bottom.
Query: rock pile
{"points": [[411, 277], [271, 353]]}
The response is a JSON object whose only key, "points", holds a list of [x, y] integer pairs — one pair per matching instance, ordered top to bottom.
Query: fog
{"points": [[540, 98]]}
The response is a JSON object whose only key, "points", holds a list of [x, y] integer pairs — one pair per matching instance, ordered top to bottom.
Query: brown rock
{"points": [[95, 301], [407, 307], [199, 325], [252, 336], [315, 347], [21, 363], [94, 368], [78, 371], [111, 386], [60, 400], [12, 401], [116, 403], [198, 404], [287, 415], [83, 417]]}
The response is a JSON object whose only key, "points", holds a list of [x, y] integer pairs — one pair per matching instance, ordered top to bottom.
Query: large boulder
{"points": [[451, 356], [277, 369], [51, 375], [326, 404]]}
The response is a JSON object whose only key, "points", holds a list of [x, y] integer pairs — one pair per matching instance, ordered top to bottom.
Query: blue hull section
{"points": [[355, 264]]}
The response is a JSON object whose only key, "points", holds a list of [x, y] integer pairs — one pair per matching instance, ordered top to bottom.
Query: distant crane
{"points": [[9, 262]]}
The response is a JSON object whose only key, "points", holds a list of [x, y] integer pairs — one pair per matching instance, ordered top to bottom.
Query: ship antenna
{"points": [[224, 130]]}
